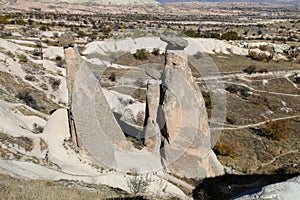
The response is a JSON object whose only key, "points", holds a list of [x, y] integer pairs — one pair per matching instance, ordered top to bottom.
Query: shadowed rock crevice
{"points": [[161, 120]]}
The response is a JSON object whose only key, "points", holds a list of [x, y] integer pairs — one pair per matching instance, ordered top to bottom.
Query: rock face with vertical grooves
{"points": [[96, 127], [152, 130], [177, 134], [186, 147]]}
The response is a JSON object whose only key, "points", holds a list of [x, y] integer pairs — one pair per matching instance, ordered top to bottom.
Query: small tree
{"points": [[138, 183]]}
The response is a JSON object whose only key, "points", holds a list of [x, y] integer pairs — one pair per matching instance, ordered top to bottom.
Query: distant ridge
{"points": [[271, 1], [105, 2], [118, 2]]}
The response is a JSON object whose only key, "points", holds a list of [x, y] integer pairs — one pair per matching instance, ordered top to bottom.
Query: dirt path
{"points": [[256, 124], [280, 155]]}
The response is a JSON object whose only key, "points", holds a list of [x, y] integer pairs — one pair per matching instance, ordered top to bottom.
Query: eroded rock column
{"points": [[152, 130]]}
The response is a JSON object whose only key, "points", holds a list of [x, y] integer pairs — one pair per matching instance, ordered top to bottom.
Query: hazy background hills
{"points": [[275, 1]]}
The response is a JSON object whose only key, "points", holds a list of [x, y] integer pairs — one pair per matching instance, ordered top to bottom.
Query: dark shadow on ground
{"points": [[229, 186]]}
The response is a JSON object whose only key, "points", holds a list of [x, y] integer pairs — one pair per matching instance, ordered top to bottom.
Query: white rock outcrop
{"points": [[288, 190]]}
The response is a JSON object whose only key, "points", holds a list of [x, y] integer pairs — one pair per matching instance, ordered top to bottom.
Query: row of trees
{"points": [[230, 35]]}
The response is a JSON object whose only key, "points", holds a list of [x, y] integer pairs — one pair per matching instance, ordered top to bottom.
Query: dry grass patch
{"points": [[28, 112], [21, 142], [13, 188]]}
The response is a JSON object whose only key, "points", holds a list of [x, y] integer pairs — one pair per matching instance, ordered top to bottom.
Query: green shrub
{"points": [[4, 19], [81, 33], [191, 33], [230, 35], [155, 51], [141, 54], [252, 55], [259, 56], [22, 58], [58, 58], [238, 89]]}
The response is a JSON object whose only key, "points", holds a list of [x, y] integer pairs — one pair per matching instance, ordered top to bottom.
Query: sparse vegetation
{"points": [[4, 19], [19, 21], [81, 33], [199, 34], [230, 35], [155, 51], [141, 54], [259, 56], [22, 58], [250, 70], [55, 83], [238, 89], [27, 99], [36, 129], [275, 130], [21, 142], [43, 145], [225, 149], [138, 183], [13, 188]]}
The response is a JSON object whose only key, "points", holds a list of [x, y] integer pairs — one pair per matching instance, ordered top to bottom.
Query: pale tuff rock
{"points": [[174, 43], [183, 122], [57, 125], [96, 128], [152, 130], [177, 135], [288, 190]]}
